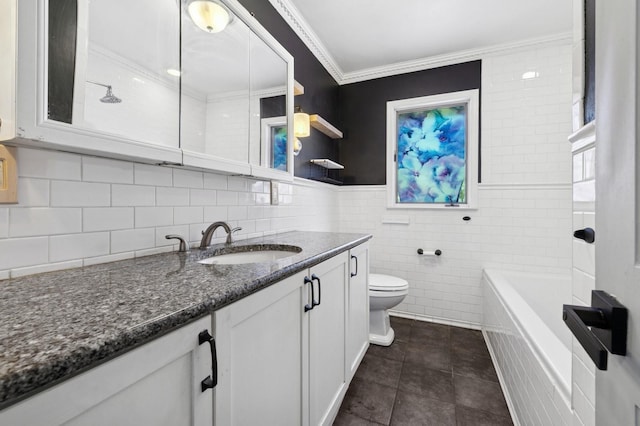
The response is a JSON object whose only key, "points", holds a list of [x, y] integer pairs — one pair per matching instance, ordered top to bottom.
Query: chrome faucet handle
{"points": [[229, 235], [184, 247]]}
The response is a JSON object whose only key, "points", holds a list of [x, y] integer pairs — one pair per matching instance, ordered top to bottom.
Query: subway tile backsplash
{"points": [[79, 210]]}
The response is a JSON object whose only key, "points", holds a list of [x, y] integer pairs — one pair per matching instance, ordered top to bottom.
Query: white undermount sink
{"points": [[257, 256]]}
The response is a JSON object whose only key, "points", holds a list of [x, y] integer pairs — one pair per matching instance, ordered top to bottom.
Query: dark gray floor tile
{"points": [[401, 321], [402, 332], [430, 334], [466, 340], [396, 351], [433, 357], [473, 364], [379, 370], [446, 375], [433, 384], [480, 394], [369, 401], [413, 409], [466, 416], [346, 419]]}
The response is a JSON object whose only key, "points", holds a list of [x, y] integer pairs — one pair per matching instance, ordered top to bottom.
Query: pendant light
{"points": [[301, 123]]}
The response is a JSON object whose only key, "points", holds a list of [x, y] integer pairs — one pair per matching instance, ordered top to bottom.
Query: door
{"points": [[617, 192], [357, 308], [327, 339], [261, 347]]}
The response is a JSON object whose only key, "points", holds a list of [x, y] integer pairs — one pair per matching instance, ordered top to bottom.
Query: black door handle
{"points": [[586, 234], [356, 273], [315, 277], [308, 306], [578, 318], [600, 328], [210, 381]]}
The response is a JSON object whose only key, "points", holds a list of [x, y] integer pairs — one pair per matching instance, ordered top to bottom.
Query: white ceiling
{"points": [[353, 36]]}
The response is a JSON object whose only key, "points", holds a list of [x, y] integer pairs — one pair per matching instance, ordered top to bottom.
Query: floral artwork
{"points": [[279, 147], [431, 155]]}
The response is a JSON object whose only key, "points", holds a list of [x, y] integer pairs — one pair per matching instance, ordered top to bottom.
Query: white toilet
{"points": [[385, 292]]}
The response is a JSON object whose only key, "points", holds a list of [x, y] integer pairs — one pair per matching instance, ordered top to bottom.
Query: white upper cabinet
{"points": [[92, 77], [142, 81], [237, 86]]}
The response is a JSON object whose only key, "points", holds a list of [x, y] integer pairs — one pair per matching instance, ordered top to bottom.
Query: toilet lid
{"points": [[382, 282]]}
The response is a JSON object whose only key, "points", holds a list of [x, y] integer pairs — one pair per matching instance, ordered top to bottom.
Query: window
{"points": [[274, 142], [432, 151]]}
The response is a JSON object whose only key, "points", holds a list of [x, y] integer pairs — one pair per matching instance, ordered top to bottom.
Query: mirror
{"points": [[108, 70], [151, 71], [234, 88], [215, 90], [268, 125]]}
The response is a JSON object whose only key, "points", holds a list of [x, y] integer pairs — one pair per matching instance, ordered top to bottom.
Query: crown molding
{"points": [[296, 21], [300, 26], [454, 58]]}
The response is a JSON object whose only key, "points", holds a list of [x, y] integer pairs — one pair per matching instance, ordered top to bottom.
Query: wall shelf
{"points": [[298, 89], [324, 126], [327, 164], [326, 171]]}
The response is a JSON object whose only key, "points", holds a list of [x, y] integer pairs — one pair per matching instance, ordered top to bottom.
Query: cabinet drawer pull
{"points": [[353, 274], [315, 277], [310, 306], [211, 381]]}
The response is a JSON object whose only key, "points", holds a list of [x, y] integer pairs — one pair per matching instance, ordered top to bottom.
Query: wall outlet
{"points": [[274, 193]]}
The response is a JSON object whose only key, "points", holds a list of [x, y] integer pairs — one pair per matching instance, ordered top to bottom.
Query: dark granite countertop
{"points": [[57, 324]]}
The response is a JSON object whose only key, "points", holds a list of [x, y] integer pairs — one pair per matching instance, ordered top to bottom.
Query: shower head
{"points": [[109, 98]]}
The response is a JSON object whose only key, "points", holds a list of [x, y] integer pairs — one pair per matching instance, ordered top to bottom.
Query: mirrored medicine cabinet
{"points": [[141, 80]]}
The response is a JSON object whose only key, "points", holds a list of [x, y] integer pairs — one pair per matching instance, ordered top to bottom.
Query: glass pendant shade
{"points": [[208, 15], [301, 125], [297, 146]]}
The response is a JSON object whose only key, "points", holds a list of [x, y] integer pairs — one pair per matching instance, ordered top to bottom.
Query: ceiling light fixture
{"points": [[209, 15]]}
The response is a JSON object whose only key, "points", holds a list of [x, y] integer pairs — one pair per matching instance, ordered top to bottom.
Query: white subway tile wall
{"points": [[526, 121], [77, 210], [523, 220], [513, 229], [531, 393]]}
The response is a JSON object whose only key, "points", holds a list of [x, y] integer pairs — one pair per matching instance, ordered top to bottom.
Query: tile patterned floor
{"points": [[432, 374]]}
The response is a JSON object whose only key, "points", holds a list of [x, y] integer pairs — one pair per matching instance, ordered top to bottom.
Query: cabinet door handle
{"points": [[353, 274], [315, 277], [308, 306], [210, 381]]}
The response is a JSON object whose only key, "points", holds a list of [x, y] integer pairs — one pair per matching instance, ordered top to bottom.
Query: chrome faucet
{"points": [[208, 233]]}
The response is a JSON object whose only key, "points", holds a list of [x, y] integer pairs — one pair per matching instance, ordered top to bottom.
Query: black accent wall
{"points": [[321, 90], [358, 109], [364, 115]]}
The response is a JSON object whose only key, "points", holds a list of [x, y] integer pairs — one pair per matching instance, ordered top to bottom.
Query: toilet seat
{"points": [[387, 283]]}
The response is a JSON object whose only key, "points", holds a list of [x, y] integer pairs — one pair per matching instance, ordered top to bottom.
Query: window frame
{"points": [[471, 99]]}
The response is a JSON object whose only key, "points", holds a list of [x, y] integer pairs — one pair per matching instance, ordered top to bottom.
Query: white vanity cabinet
{"points": [[357, 308], [327, 329], [283, 352], [158, 383]]}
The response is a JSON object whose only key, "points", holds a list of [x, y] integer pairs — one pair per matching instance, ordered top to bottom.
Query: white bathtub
{"points": [[529, 343]]}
